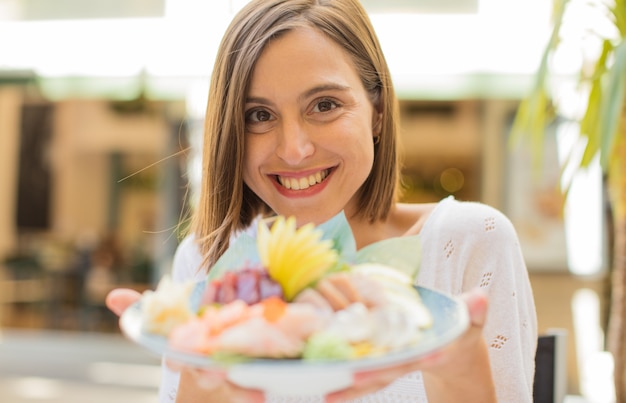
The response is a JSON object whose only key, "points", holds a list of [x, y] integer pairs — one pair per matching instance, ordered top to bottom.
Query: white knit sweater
{"points": [[464, 245]]}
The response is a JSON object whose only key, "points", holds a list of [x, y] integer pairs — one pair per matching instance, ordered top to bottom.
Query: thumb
{"points": [[121, 298], [477, 305]]}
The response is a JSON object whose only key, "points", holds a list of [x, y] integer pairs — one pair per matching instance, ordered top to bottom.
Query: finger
{"points": [[121, 298], [477, 305], [173, 365], [207, 379], [216, 381], [365, 383], [243, 395]]}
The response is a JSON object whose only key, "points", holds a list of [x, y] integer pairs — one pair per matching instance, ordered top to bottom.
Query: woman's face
{"points": [[309, 128]]}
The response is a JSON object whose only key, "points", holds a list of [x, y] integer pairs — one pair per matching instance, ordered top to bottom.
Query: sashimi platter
{"points": [[296, 311]]}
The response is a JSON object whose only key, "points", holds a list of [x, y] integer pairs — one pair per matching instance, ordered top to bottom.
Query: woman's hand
{"points": [[119, 299], [458, 372], [195, 385], [198, 385]]}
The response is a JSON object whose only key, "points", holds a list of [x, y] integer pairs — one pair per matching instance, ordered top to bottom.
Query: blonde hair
{"points": [[225, 203]]}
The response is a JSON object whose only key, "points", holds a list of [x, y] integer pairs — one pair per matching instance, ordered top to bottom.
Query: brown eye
{"points": [[325, 105], [258, 116]]}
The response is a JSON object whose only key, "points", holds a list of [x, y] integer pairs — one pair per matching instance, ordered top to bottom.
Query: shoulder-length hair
{"points": [[225, 203]]}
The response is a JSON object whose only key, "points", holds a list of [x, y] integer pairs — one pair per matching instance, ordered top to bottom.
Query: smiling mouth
{"points": [[304, 182]]}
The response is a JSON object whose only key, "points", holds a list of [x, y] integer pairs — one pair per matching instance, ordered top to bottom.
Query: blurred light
{"points": [[9, 10], [585, 25], [496, 39], [183, 43], [108, 48], [196, 99], [196, 103], [452, 180], [584, 228], [595, 365], [124, 374], [37, 388]]}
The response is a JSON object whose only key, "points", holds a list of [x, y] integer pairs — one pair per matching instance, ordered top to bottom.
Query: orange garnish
{"points": [[273, 308]]}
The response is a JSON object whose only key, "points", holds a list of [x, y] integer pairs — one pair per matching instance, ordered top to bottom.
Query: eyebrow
{"points": [[324, 87], [306, 94]]}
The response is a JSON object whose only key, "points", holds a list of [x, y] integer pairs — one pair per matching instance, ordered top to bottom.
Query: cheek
{"points": [[358, 136], [252, 159], [248, 164]]}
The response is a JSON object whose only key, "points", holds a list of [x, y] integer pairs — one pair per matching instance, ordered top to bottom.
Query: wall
{"points": [[10, 104], [87, 134]]}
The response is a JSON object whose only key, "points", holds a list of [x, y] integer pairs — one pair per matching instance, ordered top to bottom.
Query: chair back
{"points": [[550, 384]]}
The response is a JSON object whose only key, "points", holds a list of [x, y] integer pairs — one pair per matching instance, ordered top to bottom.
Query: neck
{"points": [[402, 220], [366, 233]]}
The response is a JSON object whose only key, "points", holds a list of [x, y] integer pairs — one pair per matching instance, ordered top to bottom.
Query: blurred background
{"points": [[101, 114]]}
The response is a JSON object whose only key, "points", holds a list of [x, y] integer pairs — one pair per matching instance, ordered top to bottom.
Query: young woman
{"points": [[302, 121]]}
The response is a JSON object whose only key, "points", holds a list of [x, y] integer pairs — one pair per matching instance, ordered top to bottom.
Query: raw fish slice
{"points": [[342, 282], [313, 297], [335, 298], [302, 320], [193, 336], [258, 338]]}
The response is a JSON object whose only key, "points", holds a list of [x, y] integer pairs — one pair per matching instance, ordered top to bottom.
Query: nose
{"points": [[294, 144]]}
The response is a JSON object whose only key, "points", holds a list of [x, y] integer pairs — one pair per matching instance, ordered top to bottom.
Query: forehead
{"points": [[300, 56]]}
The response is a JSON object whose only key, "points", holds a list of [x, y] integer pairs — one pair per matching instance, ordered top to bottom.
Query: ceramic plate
{"points": [[298, 377]]}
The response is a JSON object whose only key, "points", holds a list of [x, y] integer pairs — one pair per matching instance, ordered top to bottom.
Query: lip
{"points": [[308, 192]]}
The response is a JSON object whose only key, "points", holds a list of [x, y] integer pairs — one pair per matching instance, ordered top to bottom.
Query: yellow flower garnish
{"points": [[294, 257]]}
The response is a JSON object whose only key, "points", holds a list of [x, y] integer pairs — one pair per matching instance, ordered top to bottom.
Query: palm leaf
{"points": [[618, 12], [611, 105], [535, 112], [591, 119], [600, 122]]}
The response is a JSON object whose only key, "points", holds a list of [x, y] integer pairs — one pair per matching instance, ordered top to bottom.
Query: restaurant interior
{"points": [[101, 120]]}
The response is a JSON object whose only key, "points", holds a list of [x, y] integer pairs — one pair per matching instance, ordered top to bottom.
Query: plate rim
{"points": [[130, 325]]}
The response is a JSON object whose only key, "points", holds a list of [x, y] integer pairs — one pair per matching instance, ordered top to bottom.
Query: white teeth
{"points": [[302, 183]]}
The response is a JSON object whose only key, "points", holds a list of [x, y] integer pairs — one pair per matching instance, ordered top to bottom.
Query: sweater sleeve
{"points": [[471, 245], [187, 261], [186, 266]]}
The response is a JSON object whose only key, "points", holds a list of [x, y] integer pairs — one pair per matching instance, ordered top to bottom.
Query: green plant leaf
{"points": [[618, 11], [612, 102], [535, 111], [590, 122], [600, 122], [338, 230], [241, 252], [402, 253]]}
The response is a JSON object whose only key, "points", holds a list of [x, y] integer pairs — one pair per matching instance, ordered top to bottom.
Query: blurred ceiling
{"points": [[421, 6], [37, 10], [437, 49]]}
